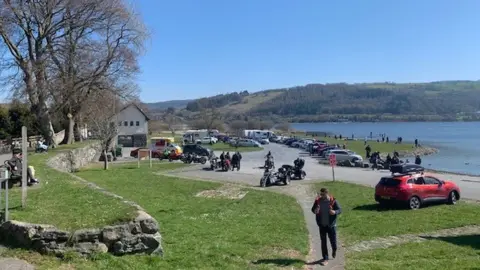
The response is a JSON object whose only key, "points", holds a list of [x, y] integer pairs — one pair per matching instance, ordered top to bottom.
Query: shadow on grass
{"points": [[379, 208], [472, 241], [282, 262]]}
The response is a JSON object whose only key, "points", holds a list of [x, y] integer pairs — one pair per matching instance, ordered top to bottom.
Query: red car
{"points": [[410, 185]]}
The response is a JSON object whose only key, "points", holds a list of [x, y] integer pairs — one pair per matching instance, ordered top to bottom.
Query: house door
{"points": [[139, 140]]}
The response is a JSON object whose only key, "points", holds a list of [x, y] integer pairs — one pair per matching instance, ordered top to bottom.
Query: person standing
{"points": [[326, 210]]}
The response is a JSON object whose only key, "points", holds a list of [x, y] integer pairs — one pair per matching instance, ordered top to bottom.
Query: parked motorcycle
{"points": [[188, 158], [199, 159], [214, 163], [226, 165], [236, 165], [270, 178]]}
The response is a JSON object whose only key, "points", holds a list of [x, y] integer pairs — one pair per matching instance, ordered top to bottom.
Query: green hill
{"points": [[434, 101]]}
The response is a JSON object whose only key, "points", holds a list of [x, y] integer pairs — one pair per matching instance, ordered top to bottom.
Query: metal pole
{"points": [[24, 167], [333, 173]]}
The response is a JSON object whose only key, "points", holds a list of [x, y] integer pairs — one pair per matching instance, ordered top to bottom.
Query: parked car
{"points": [[207, 140], [264, 141], [245, 143], [197, 149], [343, 154], [409, 185]]}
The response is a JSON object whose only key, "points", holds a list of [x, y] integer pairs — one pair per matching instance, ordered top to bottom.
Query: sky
{"points": [[202, 48]]}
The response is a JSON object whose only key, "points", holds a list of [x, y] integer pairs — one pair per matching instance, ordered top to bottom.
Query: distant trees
{"points": [[216, 101], [13, 118], [208, 118]]}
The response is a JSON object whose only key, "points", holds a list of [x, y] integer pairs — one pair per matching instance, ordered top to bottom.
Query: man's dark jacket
{"points": [[334, 205]]}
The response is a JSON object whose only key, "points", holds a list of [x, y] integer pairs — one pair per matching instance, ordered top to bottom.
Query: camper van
{"points": [[200, 134], [258, 134]]}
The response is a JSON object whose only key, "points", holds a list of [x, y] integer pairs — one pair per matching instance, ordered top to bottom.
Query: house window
{"points": [[120, 123], [125, 123], [131, 123], [137, 123]]}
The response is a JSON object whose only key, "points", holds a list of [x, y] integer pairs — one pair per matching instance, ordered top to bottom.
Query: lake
{"points": [[458, 142]]}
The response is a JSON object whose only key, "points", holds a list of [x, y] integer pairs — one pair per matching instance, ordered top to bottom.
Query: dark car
{"points": [[197, 149]]}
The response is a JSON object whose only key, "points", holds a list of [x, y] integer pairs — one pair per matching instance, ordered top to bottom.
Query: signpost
{"points": [[149, 151], [333, 163], [24, 167]]}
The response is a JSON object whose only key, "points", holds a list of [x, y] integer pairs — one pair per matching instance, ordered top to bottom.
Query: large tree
{"points": [[67, 50]]}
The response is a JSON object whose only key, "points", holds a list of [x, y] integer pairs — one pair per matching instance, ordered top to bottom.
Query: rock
{"points": [[71, 161], [147, 223], [135, 227], [21, 233], [111, 234], [52, 235], [87, 235], [142, 243], [88, 248], [15, 264]]}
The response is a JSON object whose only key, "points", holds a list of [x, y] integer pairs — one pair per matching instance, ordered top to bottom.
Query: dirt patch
{"points": [[224, 192]]}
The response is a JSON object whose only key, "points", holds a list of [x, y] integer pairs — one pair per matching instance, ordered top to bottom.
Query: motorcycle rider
{"points": [[227, 156], [235, 160], [269, 160], [298, 165]]}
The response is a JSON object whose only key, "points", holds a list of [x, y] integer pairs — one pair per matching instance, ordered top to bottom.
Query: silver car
{"points": [[343, 154]]}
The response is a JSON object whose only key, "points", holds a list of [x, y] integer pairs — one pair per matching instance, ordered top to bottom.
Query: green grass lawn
{"points": [[62, 201], [361, 219], [198, 232], [455, 253]]}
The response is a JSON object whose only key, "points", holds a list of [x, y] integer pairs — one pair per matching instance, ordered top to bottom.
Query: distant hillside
{"points": [[434, 101], [162, 105]]}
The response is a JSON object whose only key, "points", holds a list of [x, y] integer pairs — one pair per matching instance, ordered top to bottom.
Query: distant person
{"points": [[340, 136], [335, 137], [388, 140], [416, 142], [368, 150], [418, 160], [16, 163], [326, 210]]}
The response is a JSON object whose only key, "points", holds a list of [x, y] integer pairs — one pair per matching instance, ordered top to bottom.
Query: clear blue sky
{"points": [[207, 47]]}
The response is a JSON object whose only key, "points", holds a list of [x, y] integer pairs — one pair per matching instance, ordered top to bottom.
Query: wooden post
{"points": [[138, 155], [150, 157], [25, 166], [333, 173], [6, 195]]}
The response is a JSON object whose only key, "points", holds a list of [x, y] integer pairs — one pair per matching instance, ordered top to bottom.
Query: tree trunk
{"points": [[69, 125], [78, 132], [105, 160]]}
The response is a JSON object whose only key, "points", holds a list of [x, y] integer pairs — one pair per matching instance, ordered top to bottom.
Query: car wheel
{"points": [[452, 197], [414, 203]]}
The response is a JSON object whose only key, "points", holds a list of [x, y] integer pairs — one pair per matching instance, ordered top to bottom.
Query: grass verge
{"points": [[62, 201], [361, 219], [198, 232], [455, 253]]}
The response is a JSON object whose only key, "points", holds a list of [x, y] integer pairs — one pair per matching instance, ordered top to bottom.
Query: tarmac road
{"points": [[250, 173]]}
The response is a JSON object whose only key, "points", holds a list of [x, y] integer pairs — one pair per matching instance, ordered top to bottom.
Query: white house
{"points": [[132, 126]]}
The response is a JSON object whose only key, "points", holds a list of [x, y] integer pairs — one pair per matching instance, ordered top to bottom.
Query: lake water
{"points": [[458, 142]]}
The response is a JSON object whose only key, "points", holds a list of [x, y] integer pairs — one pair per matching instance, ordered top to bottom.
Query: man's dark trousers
{"points": [[331, 232]]}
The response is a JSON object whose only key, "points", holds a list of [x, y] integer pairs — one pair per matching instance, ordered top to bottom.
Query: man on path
{"points": [[326, 209]]}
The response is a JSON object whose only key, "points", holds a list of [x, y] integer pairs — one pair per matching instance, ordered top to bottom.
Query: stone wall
{"points": [[72, 160], [140, 235]]}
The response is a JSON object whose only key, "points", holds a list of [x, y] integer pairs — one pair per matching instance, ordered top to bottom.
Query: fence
{"points": [[6, 146]]}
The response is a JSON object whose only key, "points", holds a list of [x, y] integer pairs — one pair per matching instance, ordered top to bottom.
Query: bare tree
{"points": [[98, 47], [100, 118], [211, 118], [265, 125], [238, 126]]}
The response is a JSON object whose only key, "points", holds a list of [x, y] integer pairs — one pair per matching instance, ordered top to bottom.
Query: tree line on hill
{"points": [[69, 62], [436, 101]]}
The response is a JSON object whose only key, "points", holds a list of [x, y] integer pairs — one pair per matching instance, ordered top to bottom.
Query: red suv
{"points": [[410, 185]]}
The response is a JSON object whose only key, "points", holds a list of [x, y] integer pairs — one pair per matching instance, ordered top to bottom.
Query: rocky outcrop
{"points": [[72, 160], [140, 235]]}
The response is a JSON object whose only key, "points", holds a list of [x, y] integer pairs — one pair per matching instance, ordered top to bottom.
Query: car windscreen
{"points": [[389, 182]]}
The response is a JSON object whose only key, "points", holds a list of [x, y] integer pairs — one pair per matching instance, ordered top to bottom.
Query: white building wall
{"points": [[130, 116]]}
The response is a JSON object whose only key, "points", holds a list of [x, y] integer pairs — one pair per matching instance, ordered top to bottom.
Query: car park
{"points": [[197, 149], [411, 186]]}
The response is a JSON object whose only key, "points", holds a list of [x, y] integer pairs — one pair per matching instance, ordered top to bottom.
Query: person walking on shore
{"points": [[326, 210]]}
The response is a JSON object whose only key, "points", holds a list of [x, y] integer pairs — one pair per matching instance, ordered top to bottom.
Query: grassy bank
{"points": [[62, 201], [363, 220], [199, 232], [455, 253]]}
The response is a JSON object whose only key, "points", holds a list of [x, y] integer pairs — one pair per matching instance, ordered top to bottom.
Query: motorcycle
{"points": [[174, 156], [187, 159], [199, 159], [214, 163], [269, 163], [226, 165], [236, 165], [270, 178]]}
